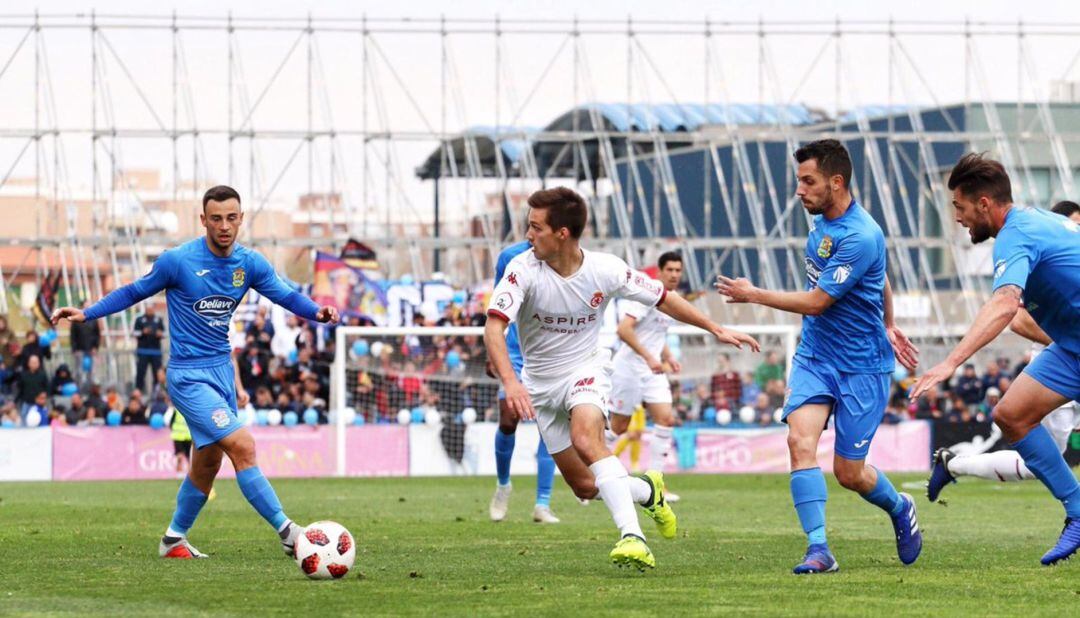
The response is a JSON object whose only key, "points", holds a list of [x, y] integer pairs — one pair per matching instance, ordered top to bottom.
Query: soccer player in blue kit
{"points": [[1036, 267], [204, 280], [844, 361], [508, 422]]}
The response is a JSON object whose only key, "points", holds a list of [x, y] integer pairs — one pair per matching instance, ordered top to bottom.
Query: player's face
{"points": [[815, 190], [973, 215], [1075, 216], [222, 222], [544, 240], [671, 275]]}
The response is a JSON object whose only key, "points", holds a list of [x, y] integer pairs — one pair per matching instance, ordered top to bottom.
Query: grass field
{"points": [[427, 548]]}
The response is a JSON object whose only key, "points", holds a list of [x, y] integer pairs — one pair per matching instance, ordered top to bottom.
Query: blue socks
{"points": [[504, 450], [1043, 458], [545, 474], [809, 494], [261, 495], [884, 495], [189, 501]]}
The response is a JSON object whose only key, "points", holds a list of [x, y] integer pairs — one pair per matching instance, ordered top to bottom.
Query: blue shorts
{"points": [[517, 362], [1058, 370], [206, 397], [858, 401]]}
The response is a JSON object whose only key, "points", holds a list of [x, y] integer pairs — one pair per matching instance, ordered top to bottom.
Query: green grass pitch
{"points": [[426, 547]]}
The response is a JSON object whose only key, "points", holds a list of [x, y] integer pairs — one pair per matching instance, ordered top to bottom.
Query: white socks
{"points": [[660, 447], [996, 466], [616, 491]]}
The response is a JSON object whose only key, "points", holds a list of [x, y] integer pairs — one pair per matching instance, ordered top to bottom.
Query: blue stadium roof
{"points": [[675, 117], [513, 142]]}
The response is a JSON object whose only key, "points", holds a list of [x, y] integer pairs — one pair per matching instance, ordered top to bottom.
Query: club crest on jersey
{"points": [[824, 250], [238, 278], [597, 298], [220, 418]]}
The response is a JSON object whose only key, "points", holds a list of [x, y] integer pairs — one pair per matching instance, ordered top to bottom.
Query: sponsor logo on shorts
{"points": [[597, 298], [216, 306], [584, 382], [220, 418], [861, 444]]}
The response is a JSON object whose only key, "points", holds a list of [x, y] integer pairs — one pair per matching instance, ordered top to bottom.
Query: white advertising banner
{"points": [[438, 450], [26, 454]]}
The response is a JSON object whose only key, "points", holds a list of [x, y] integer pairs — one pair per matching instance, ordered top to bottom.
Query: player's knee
{"points": [[619, 424], [507, 426], [801, 447], [242, 452], [848, 477], [584, 489]]}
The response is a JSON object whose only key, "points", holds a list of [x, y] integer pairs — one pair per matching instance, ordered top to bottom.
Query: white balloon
{"points": [[376, 349], [746, 414], [247, 415], [350, 415], [778, 415], [468, 416], [723, 416], [404, 417], [432, 417], [33, 418], [273, 418]]}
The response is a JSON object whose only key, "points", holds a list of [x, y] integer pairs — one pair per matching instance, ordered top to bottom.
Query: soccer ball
{"points": [[325, 550]]}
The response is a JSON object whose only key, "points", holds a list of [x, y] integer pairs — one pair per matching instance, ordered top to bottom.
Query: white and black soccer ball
{"points": [[325, 550]]}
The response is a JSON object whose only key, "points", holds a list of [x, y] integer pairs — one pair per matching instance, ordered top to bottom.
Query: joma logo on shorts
{"points": [[584, 382]]}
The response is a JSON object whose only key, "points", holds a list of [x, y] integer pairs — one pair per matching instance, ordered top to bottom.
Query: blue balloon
{"points": [[406, 280], [460, 298], [46, 338], [360, 347], [293, 356], [453, 359], [87, 362], [900, 373], [68, 389], [710, 414], [418, 415], [311, 416], [262, 417], [112, 419], [289, 419], [359, 420], [157, 421], [7, 422]]}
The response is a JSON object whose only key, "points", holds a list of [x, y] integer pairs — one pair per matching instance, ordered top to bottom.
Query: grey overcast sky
{"points": [[665, 68]]}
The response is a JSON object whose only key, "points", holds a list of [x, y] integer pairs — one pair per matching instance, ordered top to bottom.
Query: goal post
{"points": [[431, 373]]}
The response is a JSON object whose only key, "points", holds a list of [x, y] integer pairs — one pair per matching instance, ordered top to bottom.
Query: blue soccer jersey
{"points": [[1039, 252], [845, 257], [202, 290], [512, 344]]}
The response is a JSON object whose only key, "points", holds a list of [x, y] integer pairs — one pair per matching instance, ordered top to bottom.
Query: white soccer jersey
{"points": [[558, 318], [650, 326]]}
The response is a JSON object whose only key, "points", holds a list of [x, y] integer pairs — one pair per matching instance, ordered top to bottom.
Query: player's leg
{"points": [[1050, 381], [625, 396], [658, 405], [505, 437], [634, 439], [545, 478], [808, 491], [190, 500]]}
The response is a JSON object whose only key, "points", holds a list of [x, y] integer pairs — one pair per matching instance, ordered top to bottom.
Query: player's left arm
{"points": [[266, 281], [740, 290], [679, 308], [991, 320], [1024, 325], [905, 351], [667, 357]]}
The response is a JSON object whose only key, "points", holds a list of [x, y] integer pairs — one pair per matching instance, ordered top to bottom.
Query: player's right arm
{"points": [[160, 276], [503, 308], [1024, 325], [626, 331]]}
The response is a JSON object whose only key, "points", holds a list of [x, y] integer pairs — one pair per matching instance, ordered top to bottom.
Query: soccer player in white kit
{"points": [[557, 293], [639, 368], [1008, 465]]}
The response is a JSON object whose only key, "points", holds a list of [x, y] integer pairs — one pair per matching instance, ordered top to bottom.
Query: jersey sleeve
{"points": [[854, 256], [1014, 256], [161, 275], [266, 281], [635, 285], [509, 293], [636, 310]]}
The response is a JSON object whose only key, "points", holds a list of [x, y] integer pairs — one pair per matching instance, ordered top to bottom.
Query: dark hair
{"points": [[831, 156], [976, 176], [219, 193], [565, 208], [1065, 208], [669, 256]]}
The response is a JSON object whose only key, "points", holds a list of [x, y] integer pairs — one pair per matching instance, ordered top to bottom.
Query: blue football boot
{"points": [[908, 536], [818, 559]]}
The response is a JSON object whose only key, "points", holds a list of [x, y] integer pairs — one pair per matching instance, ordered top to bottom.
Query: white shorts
{"points": [[630, 387], [553, 399], [1061, 422]]}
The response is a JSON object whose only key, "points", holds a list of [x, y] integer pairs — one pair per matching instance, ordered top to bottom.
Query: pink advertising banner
{"points": [[896, 448], [114, 453]]}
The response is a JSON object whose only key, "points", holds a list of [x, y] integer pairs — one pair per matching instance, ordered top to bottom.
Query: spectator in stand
{"points": [[450, 316], [149, 330], [260, 333], [85, 341], [284, 342], [9, 343], [32, 347], [1024, 362], [254, 366], [772, 368], [7, 376], [61, 376], [990, 378], [727, 380], [30, 382], [410, 384], [1003, 384], [968, 386], [159, 388], [750, 390], [777, 392], [993, 396], [112, 399], [264, 399], [96, 401], [159, 403], [931, 405], [41, 406], [958, 409], [77, 410], [763, 410], [896, 411], [135, 412], [9, 415], [93, 418]]}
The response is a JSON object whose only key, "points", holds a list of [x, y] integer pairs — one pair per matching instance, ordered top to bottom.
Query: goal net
{"points": [[436, 377]]}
